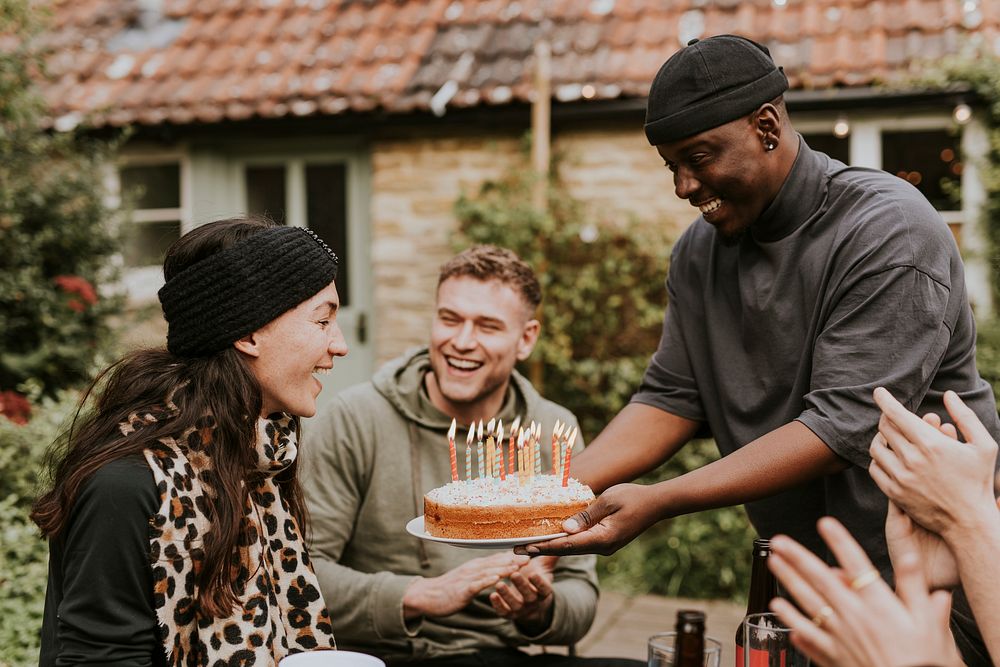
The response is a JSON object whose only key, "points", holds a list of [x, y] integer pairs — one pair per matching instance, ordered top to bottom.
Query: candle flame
{"points": [[517, 423], [451, 431], [480, 433], [472, 434]]}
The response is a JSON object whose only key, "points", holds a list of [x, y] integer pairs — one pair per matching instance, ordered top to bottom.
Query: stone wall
{"points": [[621, 176], [416, 181]]}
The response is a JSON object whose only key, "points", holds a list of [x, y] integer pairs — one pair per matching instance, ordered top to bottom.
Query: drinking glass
{"points": [[767, 642], [661, 650]]}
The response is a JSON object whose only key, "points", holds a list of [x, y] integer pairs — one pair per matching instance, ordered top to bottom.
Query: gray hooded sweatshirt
{"points": [[366, 462]]}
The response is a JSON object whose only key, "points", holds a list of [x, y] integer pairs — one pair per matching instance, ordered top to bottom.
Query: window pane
{"points": [[838, 149], [930, 160], [153, 186], [266, 192], [326, 214], [146, 242]]}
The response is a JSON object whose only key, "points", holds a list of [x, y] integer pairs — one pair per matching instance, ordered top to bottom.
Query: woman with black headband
{"points": [[175, 519]]}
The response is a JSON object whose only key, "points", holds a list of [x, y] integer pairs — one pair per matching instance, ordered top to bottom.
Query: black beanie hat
{"points": [[708, 83], [232, 293]]}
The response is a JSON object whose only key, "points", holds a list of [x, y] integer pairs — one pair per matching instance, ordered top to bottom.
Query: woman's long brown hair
{"points": [[221, 386]]}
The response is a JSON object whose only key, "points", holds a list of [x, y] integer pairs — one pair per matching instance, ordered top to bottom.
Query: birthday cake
{"points": [[493, 508]]}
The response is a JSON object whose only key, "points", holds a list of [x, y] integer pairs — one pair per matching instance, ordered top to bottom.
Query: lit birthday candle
{"points": [[556, 432], [490, 446], [510, 446], [451, 451], [468, 451], [479, 451], [488, 452], [520, 456], [569, 456], [537, 457], [498, 459], [528, 467]]}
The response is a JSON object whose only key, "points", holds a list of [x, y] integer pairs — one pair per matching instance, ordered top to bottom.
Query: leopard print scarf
{"points": [[280, 610]]}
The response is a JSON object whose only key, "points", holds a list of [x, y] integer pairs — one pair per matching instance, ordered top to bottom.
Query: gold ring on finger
{"points": [[865, 578], [820, 618]]}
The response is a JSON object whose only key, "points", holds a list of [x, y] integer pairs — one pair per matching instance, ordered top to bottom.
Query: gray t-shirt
{"points": [[850, 280]]}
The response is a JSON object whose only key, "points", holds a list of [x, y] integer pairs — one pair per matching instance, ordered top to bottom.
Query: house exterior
{"points": [[366, 119]]}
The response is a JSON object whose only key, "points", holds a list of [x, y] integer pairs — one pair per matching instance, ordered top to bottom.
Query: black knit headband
{"points": [[224, 297]]}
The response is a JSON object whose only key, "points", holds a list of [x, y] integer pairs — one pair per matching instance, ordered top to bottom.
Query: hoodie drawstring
{"points": [[416, 478]]}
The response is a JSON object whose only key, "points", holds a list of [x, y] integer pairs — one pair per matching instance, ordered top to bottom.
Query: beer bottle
{"points": [[763, 587], [689, 647]]}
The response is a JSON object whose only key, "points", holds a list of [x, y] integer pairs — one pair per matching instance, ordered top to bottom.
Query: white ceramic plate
{"points": [[415, 527], [331, 659]]}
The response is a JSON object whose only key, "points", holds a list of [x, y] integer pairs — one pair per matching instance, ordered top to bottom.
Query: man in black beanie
{"points": [[803, 285]]}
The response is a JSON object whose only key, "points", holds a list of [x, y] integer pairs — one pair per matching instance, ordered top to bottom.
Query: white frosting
{"points": [[491, 492]]}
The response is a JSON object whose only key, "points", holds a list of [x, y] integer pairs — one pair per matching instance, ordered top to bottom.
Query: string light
{"points": [[962, 113], [841, 128]]}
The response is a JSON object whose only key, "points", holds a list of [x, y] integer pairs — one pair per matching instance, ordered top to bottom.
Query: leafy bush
{"points": [[54, 231], [54, 304], [602, 313], [988, 352], [23, 553]]}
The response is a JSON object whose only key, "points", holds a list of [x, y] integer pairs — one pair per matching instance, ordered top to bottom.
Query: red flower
{"points": [[79, 286], [15, 407]]}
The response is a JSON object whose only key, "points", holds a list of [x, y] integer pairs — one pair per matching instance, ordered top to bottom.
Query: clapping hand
{"points": [[943, 484], [901, 533], [452, 591], [528, 598], [851, 617]]}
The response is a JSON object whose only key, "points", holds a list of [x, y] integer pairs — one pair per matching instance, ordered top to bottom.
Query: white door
{"points": [[327, 193]]}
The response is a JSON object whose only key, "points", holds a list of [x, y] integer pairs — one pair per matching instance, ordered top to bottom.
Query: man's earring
{"points": [[770, 145]]}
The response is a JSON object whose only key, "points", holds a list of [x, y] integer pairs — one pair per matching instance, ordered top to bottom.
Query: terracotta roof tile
{"points": [[242, 58]]}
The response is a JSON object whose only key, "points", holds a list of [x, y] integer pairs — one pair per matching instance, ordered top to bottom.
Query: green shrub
{"points": [[54, 230], [55, 272], [601, 315], [988, 352], [23, 553], [703, 555]]}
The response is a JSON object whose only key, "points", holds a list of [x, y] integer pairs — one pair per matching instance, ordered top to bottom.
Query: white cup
{"points": [[331, 659]]}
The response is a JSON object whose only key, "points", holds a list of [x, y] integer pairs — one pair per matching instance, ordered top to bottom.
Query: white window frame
{"points": [[865, 140], [295, 179], [142, 282]]}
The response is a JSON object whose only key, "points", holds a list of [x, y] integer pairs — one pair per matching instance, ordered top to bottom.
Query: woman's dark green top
{"points": [[99, 599]]}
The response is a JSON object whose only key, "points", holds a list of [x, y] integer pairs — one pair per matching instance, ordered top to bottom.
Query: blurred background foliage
{"points": [[55, 230], [56, 304], [601, 313], [23, 554]]}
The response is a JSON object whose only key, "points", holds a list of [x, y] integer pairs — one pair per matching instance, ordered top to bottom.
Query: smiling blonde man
{"points": [[380, 446]]}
